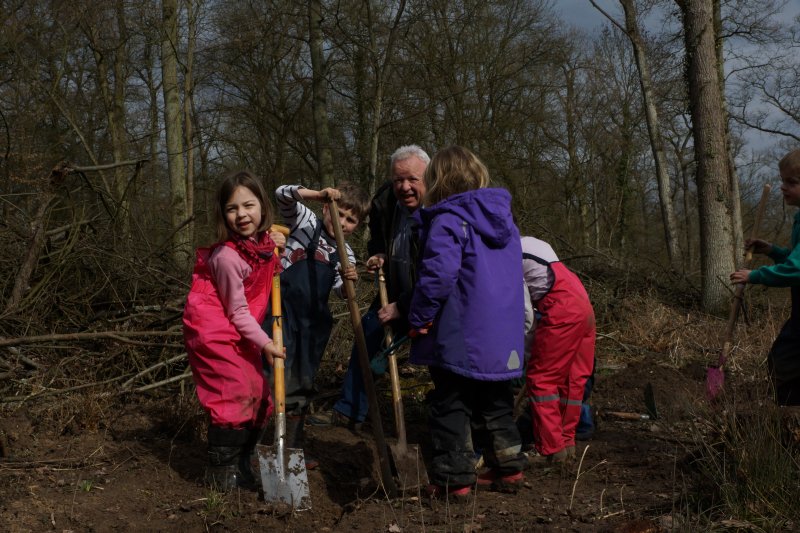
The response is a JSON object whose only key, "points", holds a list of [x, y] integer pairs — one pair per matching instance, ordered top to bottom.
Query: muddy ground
{"points": [[139, 468]]}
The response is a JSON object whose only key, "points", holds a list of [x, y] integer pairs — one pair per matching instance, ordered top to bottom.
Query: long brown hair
{"points": [[454, 170], [240, 178]]}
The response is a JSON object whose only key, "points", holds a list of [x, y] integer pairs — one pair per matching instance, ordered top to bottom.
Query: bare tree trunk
{"points": [[631, 29], [382, 73], [152, 91], [319, 98], [188, 99], [114, 102], [119, 113], [172, 123], [654, 131], [573, 163], [733, 176], [713, 184]]}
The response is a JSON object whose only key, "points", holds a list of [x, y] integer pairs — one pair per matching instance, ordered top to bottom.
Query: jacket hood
{"points": [[488, 211]]}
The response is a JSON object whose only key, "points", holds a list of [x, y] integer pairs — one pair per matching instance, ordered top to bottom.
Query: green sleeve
{"points": [[778, 254], [783, 274]]}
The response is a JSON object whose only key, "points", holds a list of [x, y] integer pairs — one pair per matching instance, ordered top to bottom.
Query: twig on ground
{"points": [[121, 336], [149, 369], [167, 381], [56, 392]]}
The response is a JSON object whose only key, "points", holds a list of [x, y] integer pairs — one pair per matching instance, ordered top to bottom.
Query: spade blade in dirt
{"points": [[408, 466], [286, 483]]}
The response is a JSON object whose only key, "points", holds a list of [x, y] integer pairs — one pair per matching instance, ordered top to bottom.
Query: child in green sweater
{"points": [[784, 357]]}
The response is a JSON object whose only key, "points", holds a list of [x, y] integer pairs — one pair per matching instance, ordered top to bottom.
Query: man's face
{"points": [[409, 187]]}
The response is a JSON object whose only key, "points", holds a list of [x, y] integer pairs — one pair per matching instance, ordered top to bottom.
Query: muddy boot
{"points": [[224, 450], [249, 472]]}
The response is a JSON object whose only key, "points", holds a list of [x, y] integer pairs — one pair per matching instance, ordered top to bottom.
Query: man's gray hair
{"points": [[411, 150]]}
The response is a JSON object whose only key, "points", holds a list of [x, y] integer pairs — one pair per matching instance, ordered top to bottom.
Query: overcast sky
{"points": [[582, 15]]}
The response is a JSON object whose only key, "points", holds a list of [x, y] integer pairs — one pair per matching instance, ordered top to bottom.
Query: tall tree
{"points": [[631, 29], [107, 36], [320, 96], [188, 102], [708, 126], [181, 239]]}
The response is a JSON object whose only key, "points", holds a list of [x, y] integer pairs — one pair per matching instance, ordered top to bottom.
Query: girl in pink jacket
{"points": [[222, 332]]}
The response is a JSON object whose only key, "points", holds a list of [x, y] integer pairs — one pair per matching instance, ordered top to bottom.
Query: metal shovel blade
{"points": [[408, 466], [286, 483]]}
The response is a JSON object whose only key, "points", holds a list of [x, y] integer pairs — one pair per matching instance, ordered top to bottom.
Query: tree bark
{"points": [[382, 73], [319, 95], [188, 100], [172, 124], [654, 133], [733, 175], [713, 184]]}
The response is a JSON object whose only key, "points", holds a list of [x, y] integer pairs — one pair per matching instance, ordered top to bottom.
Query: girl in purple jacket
{"points": [[466, 318]]}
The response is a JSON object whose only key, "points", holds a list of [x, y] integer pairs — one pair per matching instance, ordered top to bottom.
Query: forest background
{"points": [[140, 109]]}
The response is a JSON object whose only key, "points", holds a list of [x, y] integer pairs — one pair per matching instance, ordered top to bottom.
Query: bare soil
{"points": [[139, 468]]}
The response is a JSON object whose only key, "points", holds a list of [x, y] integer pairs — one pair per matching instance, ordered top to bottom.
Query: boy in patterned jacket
{"points": [[311, 269]]}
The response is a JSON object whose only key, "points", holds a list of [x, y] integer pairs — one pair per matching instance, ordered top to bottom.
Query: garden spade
{"points": [[363, 359], [715, 376], [408, 464], [284, 478]]}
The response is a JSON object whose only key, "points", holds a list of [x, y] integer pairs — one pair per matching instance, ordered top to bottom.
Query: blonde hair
{"points": [[790, 163], [454, 170], [240, 178]]}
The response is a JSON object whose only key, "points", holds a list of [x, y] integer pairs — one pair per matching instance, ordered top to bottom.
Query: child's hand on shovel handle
{"points": [[279, 238], [350, 273], [741, 276], [272, 351]]}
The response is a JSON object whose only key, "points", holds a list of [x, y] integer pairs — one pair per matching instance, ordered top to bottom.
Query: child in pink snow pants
{"points": [[222, 329], [562, 355]]}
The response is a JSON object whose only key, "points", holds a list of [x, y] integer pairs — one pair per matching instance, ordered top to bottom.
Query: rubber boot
{"points": [[585, 429], [224, 450], [249, 473]]}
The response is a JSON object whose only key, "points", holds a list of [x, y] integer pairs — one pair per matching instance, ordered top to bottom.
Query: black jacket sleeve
{"points": [[380, 219]]}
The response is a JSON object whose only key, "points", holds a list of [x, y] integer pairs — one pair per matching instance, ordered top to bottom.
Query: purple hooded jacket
{"points": [[469, 287]]}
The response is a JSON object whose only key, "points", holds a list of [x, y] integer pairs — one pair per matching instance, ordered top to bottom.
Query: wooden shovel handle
{"points": [[738, 295], [384, 299], [277, 335], [363, 358], [394, 374]]}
